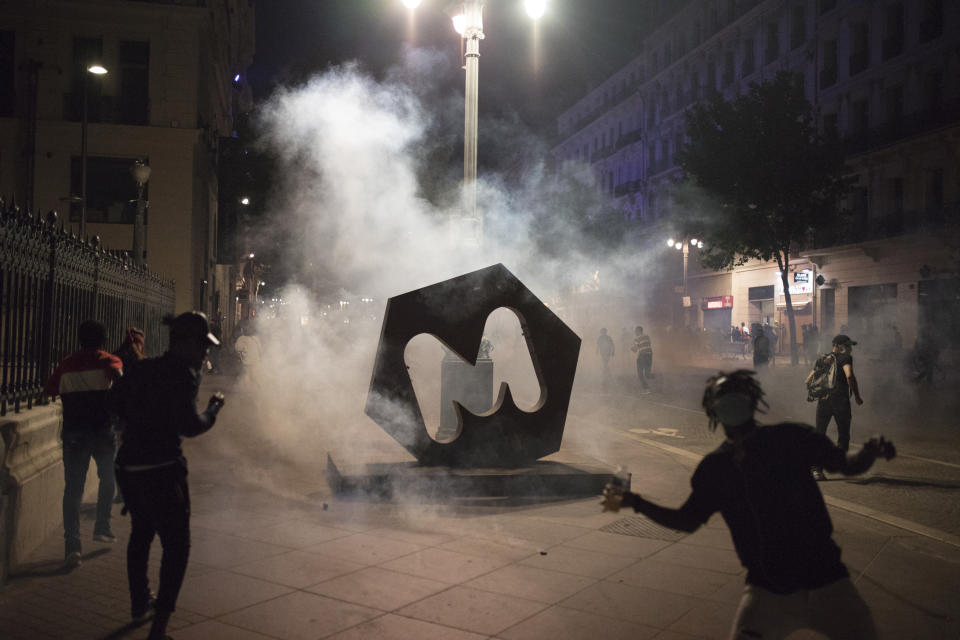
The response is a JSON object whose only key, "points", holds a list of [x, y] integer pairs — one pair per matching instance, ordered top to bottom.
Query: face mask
{"points": [[733, 409]]}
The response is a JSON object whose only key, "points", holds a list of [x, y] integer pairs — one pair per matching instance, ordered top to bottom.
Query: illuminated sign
{"points": [[802, 283], [718, 302]]}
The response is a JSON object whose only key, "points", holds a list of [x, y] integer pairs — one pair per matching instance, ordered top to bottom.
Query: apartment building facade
{"points": [[883, 75], [174, 79]]}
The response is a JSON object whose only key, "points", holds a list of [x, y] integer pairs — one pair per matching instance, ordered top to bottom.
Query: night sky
{"points": [[580, 43]]}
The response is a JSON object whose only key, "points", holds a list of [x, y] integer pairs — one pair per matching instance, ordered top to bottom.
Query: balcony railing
{"points": [[910, 125], [629, 138], [859, 226]]}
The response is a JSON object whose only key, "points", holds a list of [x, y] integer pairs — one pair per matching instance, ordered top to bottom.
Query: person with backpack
{"points": [[831, 383], [759, 481]]}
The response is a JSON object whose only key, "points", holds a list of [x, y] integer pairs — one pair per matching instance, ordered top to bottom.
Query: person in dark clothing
{"points": [[761, 347], [130, 351], [82, 381], [156, 404], [837, 404], [759, 481]]}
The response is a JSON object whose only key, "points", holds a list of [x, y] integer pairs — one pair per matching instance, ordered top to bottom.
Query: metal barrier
{"points": [[50, 281]]}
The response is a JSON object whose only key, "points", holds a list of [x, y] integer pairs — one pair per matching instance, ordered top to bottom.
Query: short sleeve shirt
{"points": [[843, 386], [777, 518]]}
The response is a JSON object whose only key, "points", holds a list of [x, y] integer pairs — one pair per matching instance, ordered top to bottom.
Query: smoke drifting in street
{"points": [[352, 207]]}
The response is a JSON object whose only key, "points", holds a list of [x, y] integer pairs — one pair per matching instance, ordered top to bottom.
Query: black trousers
{"points": [[644, 365], [837, 408], [159, 504]]}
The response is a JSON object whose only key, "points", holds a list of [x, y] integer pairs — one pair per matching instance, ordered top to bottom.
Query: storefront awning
{"points": [[798, 305]]}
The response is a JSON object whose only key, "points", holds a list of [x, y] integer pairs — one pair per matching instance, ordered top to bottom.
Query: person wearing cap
{"points": [[155, 403], [837, 404], [759, 481]]}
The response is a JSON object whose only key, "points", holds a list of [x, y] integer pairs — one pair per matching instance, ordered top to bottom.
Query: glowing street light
{"points": [[535, 8], [467, 17], [96, 69], [244, 200], [685, 246]]}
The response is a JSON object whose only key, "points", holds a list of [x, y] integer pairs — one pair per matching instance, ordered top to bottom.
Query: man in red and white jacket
{"points": [[82, 381]]}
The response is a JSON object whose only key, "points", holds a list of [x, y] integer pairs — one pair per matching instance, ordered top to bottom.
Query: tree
{"points": [[768, 177]]}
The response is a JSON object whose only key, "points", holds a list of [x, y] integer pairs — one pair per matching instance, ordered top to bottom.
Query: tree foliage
{"points": [[768, 178]]}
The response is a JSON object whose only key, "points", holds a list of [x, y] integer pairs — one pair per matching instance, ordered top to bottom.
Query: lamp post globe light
{"points": [[467, 17], [96, 69], [141, 174], [684, 246]]}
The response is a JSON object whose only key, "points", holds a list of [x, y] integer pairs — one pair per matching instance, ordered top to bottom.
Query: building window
{"points": [[798, 26], [931, 26], [893, 32], [859, 47], [772, 49], [86, 51], [749, 57], [728, 69], [828, 75], [134, 82], [933, 91], [8, 96], [894, 99], [860, 117], [830, 131], [110, 190], [933, 190], [895, 196]]}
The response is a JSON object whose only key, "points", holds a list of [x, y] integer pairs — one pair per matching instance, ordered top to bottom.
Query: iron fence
{"points": [[50, 281]]}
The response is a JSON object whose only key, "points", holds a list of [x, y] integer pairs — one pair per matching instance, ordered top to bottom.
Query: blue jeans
{"points": [[78, 448]]}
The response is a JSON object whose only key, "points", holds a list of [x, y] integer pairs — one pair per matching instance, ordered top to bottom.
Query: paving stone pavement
{"points": [[309, 566]]}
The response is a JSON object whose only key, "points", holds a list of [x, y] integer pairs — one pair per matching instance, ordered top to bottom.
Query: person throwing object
{"points": [[156, 405], [759, 480]]}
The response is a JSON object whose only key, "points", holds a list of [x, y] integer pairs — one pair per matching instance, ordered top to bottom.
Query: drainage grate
{"points": [[642, 527]]}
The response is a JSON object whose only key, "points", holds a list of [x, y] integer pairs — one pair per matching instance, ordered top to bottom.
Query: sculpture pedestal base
{"points": [[560, 476]]}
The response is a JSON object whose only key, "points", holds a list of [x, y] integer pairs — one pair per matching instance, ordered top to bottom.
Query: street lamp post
{"points": [[467, 18], [469, 24], [97, 70], [141, 174], [684, 246]]}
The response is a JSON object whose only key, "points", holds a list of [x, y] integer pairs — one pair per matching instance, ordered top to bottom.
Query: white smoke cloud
{"points": [[352, 205]]}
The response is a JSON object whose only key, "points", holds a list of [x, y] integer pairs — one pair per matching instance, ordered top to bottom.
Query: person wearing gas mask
{"points": [[759, 480]]}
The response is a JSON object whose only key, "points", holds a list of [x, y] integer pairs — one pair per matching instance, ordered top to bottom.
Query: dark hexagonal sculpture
{"points": [[455, 312]]}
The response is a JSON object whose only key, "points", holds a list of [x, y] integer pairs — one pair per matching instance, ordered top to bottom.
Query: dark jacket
{"points": [[156, 405]]}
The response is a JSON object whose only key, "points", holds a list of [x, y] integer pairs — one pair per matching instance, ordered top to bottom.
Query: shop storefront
{"points": [[717, 312]]}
